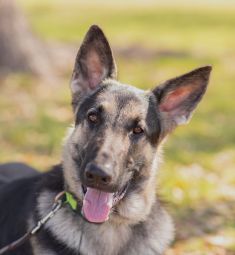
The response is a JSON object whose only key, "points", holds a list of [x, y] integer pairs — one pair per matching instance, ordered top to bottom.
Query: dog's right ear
{"points": [[94, 63]]}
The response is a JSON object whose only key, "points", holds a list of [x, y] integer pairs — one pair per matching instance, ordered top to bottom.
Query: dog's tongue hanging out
{"points": [[97, 205]]}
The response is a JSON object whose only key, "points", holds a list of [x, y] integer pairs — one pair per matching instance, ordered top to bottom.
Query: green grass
{"points": [[179, 27], [198, 173]]}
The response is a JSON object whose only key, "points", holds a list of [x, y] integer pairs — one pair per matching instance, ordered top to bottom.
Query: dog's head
{"points": [[110, 156]]}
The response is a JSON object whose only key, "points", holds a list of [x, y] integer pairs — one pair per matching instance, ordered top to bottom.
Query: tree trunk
{"points": [[20, 50]]}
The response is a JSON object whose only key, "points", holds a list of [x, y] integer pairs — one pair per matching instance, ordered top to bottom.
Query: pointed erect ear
{"points": [[94, 63], [178, 97]]}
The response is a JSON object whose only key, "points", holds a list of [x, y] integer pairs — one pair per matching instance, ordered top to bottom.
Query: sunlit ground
{"points": [[152, 43]]}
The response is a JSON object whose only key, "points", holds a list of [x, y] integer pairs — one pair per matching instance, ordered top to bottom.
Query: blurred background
{"points": [[152, 41]]}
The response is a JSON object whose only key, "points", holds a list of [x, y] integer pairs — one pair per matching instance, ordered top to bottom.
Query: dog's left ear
{"points": [[94, 63], [178, 97]]}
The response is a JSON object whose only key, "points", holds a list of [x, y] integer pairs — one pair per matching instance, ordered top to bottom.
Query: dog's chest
{"points": [[80, 236], [90, 239], [104, 239]]}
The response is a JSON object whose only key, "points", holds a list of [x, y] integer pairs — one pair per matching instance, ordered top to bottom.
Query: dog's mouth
{"points": [[97, 204]]}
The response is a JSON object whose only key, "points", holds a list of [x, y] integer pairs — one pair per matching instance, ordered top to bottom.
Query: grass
{"points": [[198, 177]]}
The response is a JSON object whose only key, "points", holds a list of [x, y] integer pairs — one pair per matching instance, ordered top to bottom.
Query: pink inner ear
{"points": [[96, 70], [175, 98]]}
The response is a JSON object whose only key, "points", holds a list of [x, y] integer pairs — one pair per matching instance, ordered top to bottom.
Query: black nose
{"points": [[96, 176]]}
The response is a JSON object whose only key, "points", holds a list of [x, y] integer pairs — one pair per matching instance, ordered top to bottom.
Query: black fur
{"points": [[14, 171], [18, 202]]}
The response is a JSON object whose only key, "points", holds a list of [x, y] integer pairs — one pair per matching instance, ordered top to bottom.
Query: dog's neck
{"points": [[67, 227], [111, 236]]}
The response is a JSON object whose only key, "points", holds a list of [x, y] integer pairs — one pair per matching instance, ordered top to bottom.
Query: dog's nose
{"points": [[94, 175]]}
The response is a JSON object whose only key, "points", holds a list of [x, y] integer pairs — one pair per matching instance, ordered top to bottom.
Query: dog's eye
{"points": [[92, 117], [137, 130]]}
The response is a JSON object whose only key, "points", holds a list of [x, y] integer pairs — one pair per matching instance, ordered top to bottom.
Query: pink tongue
{"points": [[97, 205]]}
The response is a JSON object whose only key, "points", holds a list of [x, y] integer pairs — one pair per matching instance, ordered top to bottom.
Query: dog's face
{"points": [[110, 156]]}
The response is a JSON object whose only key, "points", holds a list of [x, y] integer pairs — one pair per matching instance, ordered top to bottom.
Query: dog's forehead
{"points": [[118, 97]]}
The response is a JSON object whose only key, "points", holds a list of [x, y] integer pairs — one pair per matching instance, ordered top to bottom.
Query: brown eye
{"points": [[92, 117], [137, 130]]}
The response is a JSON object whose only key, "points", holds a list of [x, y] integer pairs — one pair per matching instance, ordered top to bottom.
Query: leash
{"points": [[57, 205]]}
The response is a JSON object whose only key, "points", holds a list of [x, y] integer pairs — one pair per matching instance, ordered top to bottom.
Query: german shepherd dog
{"points": [[109, 165]]}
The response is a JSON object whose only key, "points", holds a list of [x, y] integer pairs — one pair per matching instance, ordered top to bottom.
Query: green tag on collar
{"points": [[71, 201]]}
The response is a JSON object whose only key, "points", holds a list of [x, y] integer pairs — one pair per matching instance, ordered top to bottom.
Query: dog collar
{"points": [[69, 199]]}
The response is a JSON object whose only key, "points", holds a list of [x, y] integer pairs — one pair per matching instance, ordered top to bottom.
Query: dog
{"points": [[109, 165]]}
